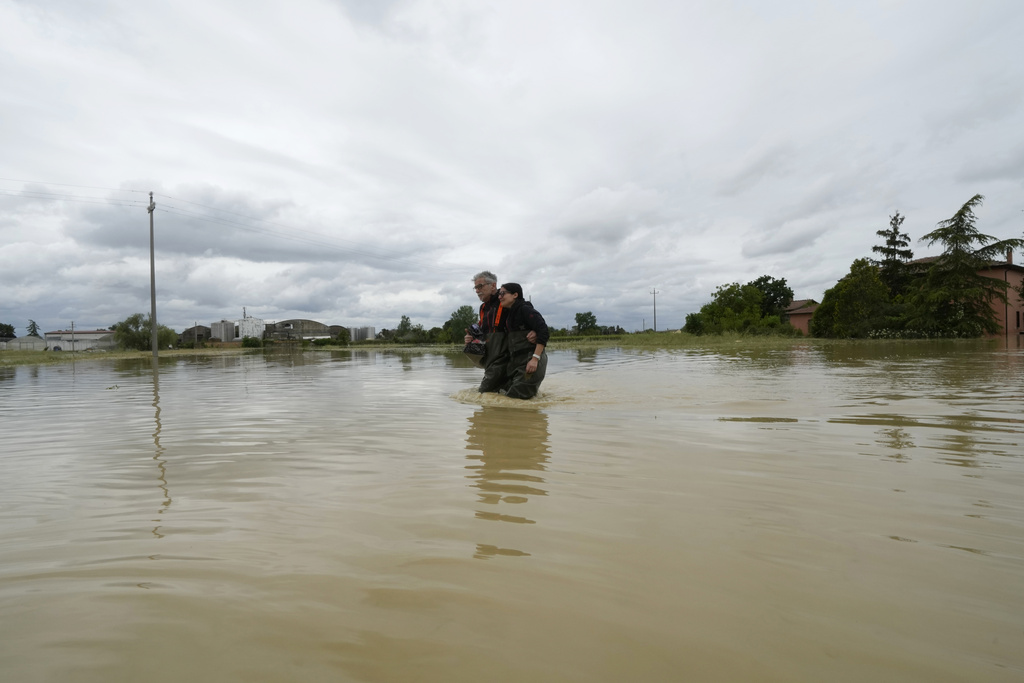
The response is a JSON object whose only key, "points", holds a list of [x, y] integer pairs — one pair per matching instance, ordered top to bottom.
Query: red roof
{"points": [[802, 305]]}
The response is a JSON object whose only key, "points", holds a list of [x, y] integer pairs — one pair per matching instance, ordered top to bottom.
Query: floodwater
{"points": [[848, 512]]}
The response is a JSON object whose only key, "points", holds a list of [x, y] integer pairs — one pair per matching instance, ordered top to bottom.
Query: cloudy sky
{"points": [[353, 161]]}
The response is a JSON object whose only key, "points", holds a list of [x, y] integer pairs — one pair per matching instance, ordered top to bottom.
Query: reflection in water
{"points": [[894, 436], [896, 439], [961, 442], [508, 449], [158, 452]]}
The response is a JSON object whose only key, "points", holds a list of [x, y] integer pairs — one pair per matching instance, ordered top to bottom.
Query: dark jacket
{"points": [[488, 314], [523, 317], [518, 321], [495, 358]]}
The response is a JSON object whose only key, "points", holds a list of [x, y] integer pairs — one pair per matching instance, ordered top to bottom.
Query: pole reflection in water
{"points": [[158, 451], [508, 452]]}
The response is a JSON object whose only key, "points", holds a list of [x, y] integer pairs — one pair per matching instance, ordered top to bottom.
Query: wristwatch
{"points": [[536, 356]]}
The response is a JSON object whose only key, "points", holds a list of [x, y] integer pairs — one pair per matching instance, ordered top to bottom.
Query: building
{"points": [[799, 313], [1009, 315], [297, 329], [224, 330], [236, 330], [363, 333], [195, 335], [79, 340], [26, 344]]}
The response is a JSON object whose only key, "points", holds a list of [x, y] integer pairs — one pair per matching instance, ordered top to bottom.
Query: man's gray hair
{"points": [[487, 276]]}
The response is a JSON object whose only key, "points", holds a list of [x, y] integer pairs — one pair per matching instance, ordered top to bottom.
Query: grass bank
{"points": [[645, 340], [9, 358]]}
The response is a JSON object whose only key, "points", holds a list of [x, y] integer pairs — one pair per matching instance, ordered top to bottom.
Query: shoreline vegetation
{"points": [[643, 341]]}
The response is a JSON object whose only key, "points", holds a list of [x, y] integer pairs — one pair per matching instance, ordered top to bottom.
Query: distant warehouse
{"points": [[298, 328], [79, 340]]}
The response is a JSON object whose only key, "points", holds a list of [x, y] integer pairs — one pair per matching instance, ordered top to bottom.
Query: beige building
{"points": [[80, 340]]}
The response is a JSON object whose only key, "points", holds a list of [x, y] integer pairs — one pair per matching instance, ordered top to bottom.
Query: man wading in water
{"points": [[495, 359]]}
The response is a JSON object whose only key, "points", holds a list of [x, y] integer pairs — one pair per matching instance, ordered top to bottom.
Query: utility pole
{"points": [[152, 278], [655, 293], [72, 336]]}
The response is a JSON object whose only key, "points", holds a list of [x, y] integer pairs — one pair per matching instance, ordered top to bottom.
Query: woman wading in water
{"points": [[527, 361]]}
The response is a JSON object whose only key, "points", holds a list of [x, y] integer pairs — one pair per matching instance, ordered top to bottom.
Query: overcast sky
{"points": [[353, 161]]}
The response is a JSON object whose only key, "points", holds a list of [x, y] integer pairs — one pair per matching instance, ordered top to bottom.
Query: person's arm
{"points": [[535, 321], [539, 332], [531, 365]]}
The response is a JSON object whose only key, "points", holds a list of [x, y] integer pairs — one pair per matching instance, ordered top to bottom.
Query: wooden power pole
{"points": [[152, 279]]}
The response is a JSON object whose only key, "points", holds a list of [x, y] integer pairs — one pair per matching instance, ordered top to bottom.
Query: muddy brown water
{"points": [[813, 513]]}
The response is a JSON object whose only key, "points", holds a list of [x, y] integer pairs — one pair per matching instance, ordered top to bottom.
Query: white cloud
{"points": [[354, 161]]}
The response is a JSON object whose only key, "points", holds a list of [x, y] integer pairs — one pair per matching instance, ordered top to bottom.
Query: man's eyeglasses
{"points": [[479, 287]]}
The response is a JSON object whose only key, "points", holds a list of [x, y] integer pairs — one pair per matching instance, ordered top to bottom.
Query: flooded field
{"points": [[848, 512]]}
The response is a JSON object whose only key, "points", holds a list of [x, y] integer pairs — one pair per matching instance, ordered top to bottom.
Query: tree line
{"points": [[889, 296], [895, 296], [757, 308], [7, 330], [454, 330]]}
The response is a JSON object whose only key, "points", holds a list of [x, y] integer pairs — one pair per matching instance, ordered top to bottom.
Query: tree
{"points": [[895, 255], [776, 295], [954, 299], [855, 306], [733, 308], [743, 308], [585, 322], [694, 324], [33, 329], [7, 330], [454, 331], [135, 332], [408, 333], [417, 334]]}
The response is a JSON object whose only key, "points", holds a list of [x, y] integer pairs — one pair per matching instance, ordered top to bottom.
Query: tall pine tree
{"points": [[895, 254], [954, 299]]}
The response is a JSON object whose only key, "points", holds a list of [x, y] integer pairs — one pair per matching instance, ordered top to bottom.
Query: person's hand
{"points": [[469, 337], [531, 337], [531, 366]]}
